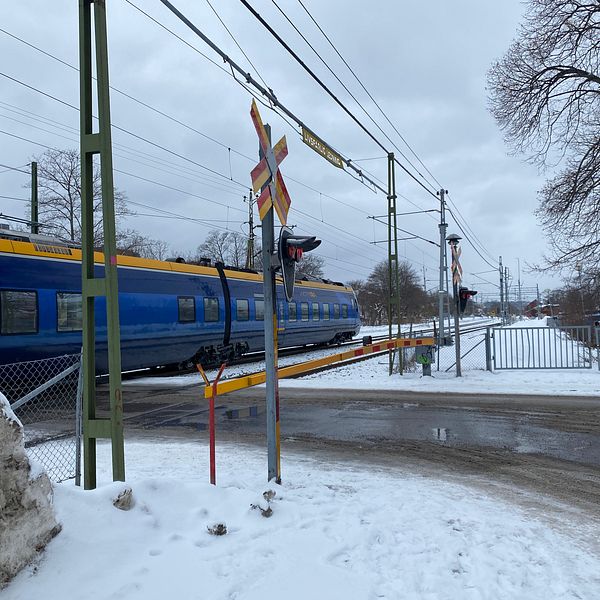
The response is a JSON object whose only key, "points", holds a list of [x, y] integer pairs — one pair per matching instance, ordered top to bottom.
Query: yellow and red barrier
{"points": [[240, 383]]}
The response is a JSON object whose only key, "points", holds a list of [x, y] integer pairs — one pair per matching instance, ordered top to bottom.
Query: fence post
{"points": [[488, 349], [78, 421]]}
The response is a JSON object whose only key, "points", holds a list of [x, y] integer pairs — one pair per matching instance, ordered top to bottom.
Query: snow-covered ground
{"points": [[373, 373], [338, 531]]}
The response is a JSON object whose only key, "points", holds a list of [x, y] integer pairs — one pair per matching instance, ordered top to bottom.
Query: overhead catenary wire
{"points": [[235, 41], [335, 75], [367, 91], [329, 92], [267, 93], [178, 121], [127, 131], [129, 174], [225, 177], [198, 178], [184, 192], [472, 234]]}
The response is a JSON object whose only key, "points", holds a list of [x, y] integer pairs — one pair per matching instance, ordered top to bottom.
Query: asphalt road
{"points": [[519, 444]]}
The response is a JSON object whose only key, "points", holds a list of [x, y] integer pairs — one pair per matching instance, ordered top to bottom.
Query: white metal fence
{"points": [[565, 347]]}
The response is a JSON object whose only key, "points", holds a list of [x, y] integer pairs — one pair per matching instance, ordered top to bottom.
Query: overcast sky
{"points": [[424, 63]]}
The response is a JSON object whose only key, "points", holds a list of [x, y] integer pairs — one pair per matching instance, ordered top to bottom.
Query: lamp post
{"points": [[453, 241]]}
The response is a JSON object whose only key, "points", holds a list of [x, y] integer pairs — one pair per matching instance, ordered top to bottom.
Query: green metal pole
{"points": [[34, 199], [393, 275], [92, 286]]}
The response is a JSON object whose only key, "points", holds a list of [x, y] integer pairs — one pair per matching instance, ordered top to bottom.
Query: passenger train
{"points": [[171, 313]]}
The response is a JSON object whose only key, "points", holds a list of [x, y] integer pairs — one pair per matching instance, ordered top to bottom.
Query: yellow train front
{"points": [[170, 313]]}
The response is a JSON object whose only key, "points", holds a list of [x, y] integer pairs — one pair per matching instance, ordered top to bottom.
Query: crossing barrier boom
{"points": [[239, 383]]}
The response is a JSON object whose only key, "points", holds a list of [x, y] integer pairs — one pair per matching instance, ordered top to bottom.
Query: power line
{"points": [[236, 42], [345, 87], [329, 92], [367, 92], [267, 93], [71, 106], [166, 115], [128, 132], [9, 168], [130, 174], [203, 179], [14, 198], [468, 228], [407, 232], [467, 237]]}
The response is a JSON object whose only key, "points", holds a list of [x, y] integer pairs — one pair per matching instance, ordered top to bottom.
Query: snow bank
{"points": [[27, 521], [337, 532]]}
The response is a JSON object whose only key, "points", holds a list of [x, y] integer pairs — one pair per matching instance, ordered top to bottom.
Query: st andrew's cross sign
{"points": [[266, 174]]}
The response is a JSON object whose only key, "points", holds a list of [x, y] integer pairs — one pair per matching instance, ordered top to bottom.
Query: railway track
{"points": [[287, 352], [179, 413]]}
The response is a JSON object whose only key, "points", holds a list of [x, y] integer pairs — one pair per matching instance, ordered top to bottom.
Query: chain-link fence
{"points": [[472, 351], [44, 394]]}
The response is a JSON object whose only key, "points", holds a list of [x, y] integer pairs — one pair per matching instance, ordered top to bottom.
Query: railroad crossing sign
{"points": [[267, 174], [456, 268]]}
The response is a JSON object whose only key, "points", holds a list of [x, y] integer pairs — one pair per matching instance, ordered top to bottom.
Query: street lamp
{"points": [[453, 241]]}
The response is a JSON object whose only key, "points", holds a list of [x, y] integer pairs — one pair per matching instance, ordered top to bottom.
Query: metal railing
{"points": [[565, 347], [46, 397]]}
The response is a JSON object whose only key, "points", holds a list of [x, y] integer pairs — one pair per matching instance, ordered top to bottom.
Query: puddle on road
{"points": [[449, 427]]}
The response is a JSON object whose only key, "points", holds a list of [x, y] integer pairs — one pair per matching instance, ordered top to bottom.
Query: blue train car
{"points": [[170, 312]]}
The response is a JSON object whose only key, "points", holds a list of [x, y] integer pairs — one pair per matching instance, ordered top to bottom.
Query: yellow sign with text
{"points": [[319, 146]]}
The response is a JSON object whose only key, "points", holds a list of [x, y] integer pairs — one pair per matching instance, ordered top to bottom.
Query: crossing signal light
{"points": [[290, 250], [463, 296]]}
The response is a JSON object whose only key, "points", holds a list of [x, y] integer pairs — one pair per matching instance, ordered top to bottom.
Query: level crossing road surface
{"points": [[547, 444]]}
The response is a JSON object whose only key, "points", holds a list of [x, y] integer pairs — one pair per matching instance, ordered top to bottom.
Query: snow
{"points": [[7, 411], [338, 531]]}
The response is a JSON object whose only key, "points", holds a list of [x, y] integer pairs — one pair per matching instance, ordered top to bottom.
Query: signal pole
{"points": [[34, 199], [443, 268], [393, 277], [270, 294], [502, 307]]}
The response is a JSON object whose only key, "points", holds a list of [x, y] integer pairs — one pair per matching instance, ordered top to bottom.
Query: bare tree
{"points": [[545, 96], [59, 190], [136, 244], [227, 247], [310, 266], [373, 295]]}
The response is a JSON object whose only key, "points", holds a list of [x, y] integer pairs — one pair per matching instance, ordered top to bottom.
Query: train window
{"points": [[187, 309], [211, 309], [260, 309], [242, 310], [304, 310], [315, 311], [336, 311], [344, 311], [19, 312], [68, 312], [326, 312], [292, 314]]}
